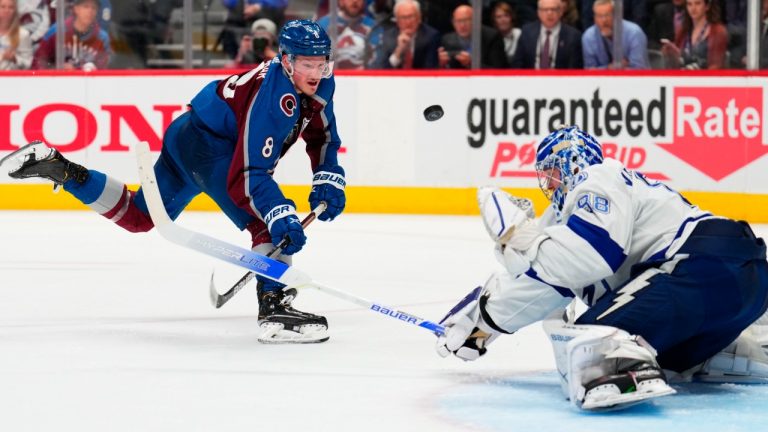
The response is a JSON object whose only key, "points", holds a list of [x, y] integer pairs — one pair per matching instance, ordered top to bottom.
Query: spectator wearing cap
{"points": [[352, 29], [597, 41], [86, 44], [259, 46]]}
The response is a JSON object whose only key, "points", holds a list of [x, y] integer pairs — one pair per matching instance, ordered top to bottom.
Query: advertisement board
{"points": [[704, 135]]}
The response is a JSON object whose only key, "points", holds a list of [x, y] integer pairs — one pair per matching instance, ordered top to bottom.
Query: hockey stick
{"points": [[259, 264], [219, 300], [435, 328]]}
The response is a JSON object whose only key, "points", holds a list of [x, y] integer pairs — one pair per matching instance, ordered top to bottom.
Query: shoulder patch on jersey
{"points": [[288, 104], [579, 178], [592, 203]]}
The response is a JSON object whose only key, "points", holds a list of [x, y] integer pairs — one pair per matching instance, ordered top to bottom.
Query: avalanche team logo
{"points": [[288, 104]]}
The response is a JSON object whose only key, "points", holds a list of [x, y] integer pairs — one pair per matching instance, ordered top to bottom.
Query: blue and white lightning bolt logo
{"points": [[626, 293]]}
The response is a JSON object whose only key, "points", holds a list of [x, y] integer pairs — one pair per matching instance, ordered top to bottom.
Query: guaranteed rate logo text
{"points": [[599, 115]]}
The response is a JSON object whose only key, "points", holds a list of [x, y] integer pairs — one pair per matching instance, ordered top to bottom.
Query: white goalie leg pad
{"points": [[759, 331], [275, 333], [584, 353], [743, 361]]}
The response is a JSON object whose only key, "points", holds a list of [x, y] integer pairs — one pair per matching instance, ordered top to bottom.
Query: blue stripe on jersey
{"points": [[501, 217], [600, 240], [662, 253], [565, 292]]}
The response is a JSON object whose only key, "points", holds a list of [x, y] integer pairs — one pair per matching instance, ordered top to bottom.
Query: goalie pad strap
{"points": [[487, 318]]}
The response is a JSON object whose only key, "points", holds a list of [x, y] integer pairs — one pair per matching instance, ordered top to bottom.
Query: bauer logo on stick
{"points": [[434, 112]]}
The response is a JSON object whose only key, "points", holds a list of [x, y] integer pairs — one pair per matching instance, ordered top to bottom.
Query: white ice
{"points": [[102, 330]]}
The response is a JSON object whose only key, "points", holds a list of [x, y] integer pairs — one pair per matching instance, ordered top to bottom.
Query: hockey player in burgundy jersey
{"points": [[227, 146], [667, 285]]}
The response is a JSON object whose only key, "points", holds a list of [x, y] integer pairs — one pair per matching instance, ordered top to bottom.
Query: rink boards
{"points": [[701, 134]]}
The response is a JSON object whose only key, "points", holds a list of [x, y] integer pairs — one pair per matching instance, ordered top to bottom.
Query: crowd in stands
{"points": [[396, 34]]}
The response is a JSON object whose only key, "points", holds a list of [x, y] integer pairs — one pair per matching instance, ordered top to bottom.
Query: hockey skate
{"points": [[38, 160], [280, 323], [635, 381]]}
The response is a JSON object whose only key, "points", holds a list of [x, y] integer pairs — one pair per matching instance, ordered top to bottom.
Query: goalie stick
{"points": [[259, 264], [219, 300]]}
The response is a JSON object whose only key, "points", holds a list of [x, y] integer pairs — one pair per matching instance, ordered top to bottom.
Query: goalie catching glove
{"points": [[328, 185], [505, 217], [509, 221], [466, 334]]}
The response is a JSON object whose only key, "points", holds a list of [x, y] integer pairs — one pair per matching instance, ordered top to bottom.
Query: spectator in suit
{"points": [[505, 22], [666, 22], [352, 29], [15, 41], [702, 41], [597, 42], [549, 43], [411, 44], [456, 47]]}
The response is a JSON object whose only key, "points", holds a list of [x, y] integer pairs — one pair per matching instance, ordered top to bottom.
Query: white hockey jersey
{"points": [[612, 219]]}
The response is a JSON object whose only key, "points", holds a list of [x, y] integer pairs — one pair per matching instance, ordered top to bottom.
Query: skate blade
{"points": [[34, 151], [274, 333], [621, 401]]}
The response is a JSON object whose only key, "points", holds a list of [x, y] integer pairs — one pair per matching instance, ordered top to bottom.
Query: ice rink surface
{"points": [[102, 330]]}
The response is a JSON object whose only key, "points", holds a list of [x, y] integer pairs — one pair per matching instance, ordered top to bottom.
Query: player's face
{"points": [[308, 71], [549, 181]]}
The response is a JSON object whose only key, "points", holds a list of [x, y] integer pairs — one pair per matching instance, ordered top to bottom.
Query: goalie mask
{"points": [[560, 157]]}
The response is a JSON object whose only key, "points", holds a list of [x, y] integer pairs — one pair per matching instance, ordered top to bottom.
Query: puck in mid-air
{"points": [[434, 112]]}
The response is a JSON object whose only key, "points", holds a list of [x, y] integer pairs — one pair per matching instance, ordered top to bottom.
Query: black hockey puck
{"points": [[434, 112]]}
